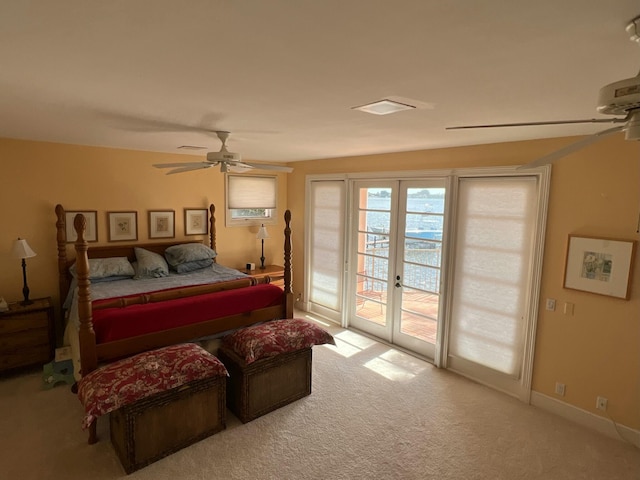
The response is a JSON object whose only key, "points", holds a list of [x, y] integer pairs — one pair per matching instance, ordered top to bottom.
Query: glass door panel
{"points": [[421, 217], [373, 240]]}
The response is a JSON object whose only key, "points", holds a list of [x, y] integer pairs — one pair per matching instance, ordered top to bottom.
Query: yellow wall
{"points": [[37, 175], [593, 192]]}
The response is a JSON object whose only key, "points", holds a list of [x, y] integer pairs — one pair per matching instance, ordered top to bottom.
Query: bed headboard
{"points": [[116, 250]]}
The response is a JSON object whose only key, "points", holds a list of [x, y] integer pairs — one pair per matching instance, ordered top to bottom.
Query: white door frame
{"points": [[543, 175]]}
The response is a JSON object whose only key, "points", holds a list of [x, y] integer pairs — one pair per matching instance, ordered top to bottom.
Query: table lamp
{"points": [[262, 234], [21, 249]]}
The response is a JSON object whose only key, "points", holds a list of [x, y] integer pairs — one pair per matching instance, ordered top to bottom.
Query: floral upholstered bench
{"points": [[269, 365], [159, 401]]}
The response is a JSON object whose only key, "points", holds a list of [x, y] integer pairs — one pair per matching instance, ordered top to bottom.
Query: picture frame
{"points": [[196, 221], [162, 224], [123, 226], [91, 232], [600, 265]]}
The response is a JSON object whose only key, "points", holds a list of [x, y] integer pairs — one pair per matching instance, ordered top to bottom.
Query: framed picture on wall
{"points": [[195, 221], [162, 224], [123, 226], [91, 232], [599, 265]]}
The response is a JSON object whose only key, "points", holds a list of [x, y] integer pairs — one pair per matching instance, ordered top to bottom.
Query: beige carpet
{"points": [[374, 413]]}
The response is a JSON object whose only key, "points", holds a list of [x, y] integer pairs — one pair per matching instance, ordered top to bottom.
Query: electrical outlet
{"points": [[551, 304], [560, 388], [601, 403]]}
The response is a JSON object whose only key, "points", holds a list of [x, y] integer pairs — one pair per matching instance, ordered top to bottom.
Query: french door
{"points": [[396, 261], [448, 267], [493, 281]]}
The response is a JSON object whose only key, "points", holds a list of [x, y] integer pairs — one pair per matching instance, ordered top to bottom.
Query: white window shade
{"points": [[246, 192], [496, 220], [326, 254]]}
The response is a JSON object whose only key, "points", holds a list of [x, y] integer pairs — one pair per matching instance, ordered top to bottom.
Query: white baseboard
{"points": [[300, 305], [595, 422]]}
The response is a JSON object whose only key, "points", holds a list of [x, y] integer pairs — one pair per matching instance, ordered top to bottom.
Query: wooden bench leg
{"points": [[93, 435]]}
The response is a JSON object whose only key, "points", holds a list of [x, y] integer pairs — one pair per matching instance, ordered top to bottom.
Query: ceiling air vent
{"points": [[383, 107]]}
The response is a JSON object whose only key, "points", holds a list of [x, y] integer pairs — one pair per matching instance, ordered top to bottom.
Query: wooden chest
{"points": [[266, 384], [154, 427]]}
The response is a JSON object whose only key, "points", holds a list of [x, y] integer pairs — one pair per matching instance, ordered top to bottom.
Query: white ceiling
{"points": [[282, 75]]}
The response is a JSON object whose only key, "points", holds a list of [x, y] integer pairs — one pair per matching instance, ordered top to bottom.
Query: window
{"points": [[251, 200]]}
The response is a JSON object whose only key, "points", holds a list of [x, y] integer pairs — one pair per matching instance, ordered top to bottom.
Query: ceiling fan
{"points": [[618, 98], [228, 161]]}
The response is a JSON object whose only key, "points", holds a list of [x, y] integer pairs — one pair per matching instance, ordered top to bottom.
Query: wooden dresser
{"points": [[26, 334]]}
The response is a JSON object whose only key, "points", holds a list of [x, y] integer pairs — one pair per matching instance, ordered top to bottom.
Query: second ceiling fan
{"points": [[618, 98]]}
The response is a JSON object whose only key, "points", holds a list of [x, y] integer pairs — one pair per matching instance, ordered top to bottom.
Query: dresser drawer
{"points": [[22, 322], [24, 339], [24, 357]]}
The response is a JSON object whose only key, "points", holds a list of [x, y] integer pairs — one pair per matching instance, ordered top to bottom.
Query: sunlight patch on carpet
{"points": [[350, 343], [405, 361], [388, 370]]}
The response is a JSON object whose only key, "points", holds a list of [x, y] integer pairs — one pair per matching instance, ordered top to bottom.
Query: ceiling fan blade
{"points": [[552, 122], [142, 124], [553, 156], [183, 164], [266, 166], [190, 168], [238, 168]]}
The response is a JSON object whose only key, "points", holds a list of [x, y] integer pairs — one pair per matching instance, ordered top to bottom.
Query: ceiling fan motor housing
{"points": [[619, 98], [623, 98], [223, 156]]}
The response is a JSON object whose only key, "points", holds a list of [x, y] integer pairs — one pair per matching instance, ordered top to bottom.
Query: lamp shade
{"points": [[262, 233], [21, 249]]}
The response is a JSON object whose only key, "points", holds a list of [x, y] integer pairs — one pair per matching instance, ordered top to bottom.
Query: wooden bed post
{"points": [[212, 228], [61, 237], [287, 265], [87, 337], [88, 356]]}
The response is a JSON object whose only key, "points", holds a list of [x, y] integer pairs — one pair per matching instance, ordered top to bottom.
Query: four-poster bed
{"points": [[219, 307]]}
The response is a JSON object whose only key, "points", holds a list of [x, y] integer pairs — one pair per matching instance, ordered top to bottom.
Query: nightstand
{"points": [[275, 273], [26, 334]]}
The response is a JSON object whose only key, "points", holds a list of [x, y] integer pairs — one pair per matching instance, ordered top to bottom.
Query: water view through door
{"points": [[398, 233]]}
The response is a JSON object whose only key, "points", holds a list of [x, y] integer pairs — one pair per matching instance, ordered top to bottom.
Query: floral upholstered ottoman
{"points": [[269, 365], [159, 401]]}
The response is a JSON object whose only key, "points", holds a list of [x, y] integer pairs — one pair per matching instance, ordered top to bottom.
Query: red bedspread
{"points": [[117, 323]]}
